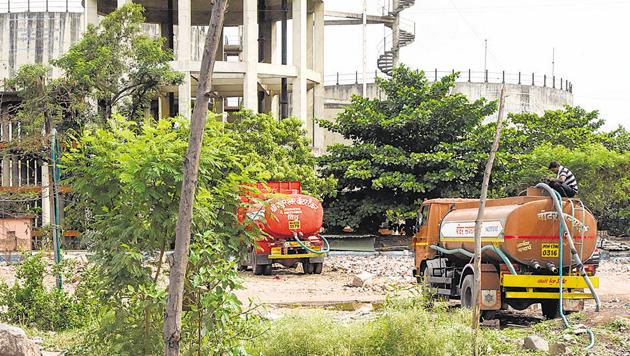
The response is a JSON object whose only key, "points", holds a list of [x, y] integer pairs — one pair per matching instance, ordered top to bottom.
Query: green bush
{"points": [[29, 302]]}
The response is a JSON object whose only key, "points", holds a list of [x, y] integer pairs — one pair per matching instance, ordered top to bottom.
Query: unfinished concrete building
{"points": [[270, 59]]}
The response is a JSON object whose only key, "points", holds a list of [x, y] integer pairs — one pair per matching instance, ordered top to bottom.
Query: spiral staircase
{"points": [[389, 47]]}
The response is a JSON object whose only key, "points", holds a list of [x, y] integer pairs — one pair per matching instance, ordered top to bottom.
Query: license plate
{"points": [[294, 225], [549, 250]]}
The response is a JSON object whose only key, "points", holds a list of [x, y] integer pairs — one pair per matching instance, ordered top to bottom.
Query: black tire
{"points": [[307, 266], [318, 267], [259, 269], [267, 269], [467, 291], [550, 308]]}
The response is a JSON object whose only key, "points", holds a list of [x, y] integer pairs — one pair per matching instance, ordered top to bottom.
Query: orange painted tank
{"points": [[286, 210], [293, 213], [525, 228]]}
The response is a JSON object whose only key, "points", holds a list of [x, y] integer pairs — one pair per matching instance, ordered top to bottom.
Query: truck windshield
{"points": [[423, 214]]}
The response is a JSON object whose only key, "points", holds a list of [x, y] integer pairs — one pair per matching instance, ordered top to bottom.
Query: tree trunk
{"points": [[478, 221], [172, 321]]}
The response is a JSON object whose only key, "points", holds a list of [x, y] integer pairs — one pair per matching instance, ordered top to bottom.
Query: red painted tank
{"points": [[287, 211], [291, 213]]}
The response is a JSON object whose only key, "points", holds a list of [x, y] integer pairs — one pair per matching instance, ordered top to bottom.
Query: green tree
{"points": [[118, 65], [570, 127], [409, 146], [279, 151], [602, 176], [129, 177]]}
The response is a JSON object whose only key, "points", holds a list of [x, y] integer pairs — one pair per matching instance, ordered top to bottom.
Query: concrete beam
{"points": [[350, 16]]}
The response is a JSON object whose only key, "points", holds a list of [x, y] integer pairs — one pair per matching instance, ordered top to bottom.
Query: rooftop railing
{"points": [[433, 75]]}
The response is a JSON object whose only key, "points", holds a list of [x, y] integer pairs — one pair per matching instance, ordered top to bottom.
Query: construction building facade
{"points": [[270, 59]]}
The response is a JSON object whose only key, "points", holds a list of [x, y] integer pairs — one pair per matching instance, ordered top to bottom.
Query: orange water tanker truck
{"points": [[533, 246]]}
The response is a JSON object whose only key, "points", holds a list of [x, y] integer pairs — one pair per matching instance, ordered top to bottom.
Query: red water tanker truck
{"points": [[290, 223]]}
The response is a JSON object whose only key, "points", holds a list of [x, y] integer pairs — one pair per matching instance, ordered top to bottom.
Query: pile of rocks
{"points": [[396, 267], [621, 267]]}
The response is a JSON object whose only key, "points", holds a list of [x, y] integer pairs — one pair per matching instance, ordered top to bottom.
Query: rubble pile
{"points": [[379, 265], [615, 266]]}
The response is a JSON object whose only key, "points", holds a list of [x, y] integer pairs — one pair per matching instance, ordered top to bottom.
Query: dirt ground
{"points": [[333, 286]]}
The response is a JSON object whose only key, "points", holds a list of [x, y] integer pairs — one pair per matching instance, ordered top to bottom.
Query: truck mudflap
{"points": [[534, 283]]}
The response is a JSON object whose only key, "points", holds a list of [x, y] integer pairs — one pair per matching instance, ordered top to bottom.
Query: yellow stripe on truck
{"points": [[540, 281], [546, 295]]}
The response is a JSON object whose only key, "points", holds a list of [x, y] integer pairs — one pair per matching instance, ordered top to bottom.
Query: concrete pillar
{"points": [[121, 3], [91, 12], [396, 35], [309, 40], [269, 44], [183, 54], [250, 54], [299, 59], [318, 66], [275, 107], [164, 109]]}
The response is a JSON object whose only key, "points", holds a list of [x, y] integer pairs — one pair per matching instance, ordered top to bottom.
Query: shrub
{"points": [[29, 302]]}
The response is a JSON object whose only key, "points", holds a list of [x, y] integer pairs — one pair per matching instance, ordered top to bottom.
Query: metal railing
{"points": [[433, 75]]}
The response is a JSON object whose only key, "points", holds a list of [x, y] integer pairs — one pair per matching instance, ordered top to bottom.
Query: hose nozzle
{"points": [[552, 267]]}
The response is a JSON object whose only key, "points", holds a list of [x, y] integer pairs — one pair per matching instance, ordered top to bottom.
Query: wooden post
{"points": [[478, 221], [172, 320]]}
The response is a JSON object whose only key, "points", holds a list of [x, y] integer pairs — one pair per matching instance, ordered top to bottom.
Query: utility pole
{"points": [[485, 55], [553, 62], [364, 93], [479, 221]]}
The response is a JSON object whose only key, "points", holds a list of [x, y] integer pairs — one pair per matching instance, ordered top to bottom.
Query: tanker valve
{"points": [[536, 265], [551, 267]]}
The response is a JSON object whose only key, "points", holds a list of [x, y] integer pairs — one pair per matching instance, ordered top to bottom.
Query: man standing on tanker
{"points": [[564, 182]]}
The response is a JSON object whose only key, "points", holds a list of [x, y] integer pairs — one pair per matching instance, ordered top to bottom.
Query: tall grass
{"points": [[410, 325]]}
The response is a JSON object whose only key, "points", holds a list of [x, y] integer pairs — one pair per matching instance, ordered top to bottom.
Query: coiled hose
{"points": [[555, 196], [321, 252]]}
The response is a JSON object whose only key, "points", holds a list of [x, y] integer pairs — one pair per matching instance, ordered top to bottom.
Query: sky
{"points": [[590, 37]]}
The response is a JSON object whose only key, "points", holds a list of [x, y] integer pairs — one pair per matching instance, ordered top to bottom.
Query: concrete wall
{"points": [[35, 37], [520, 98]]}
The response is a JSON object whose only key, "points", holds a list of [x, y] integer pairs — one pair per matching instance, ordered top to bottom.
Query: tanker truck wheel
{"points": [[308, 266], [317, 267], [259, 269], [267, 269], [467, 291], [550, 308]]}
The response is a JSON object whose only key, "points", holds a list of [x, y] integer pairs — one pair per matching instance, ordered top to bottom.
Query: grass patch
{"points": [[411, 325], [415, 325]]}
